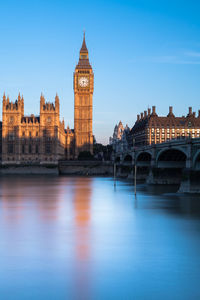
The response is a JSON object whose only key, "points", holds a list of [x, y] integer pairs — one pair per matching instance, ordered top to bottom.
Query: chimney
{"points": [[153, 110], [171, 110], [190, 110], [149, 111], [199, 113], [145, 114], [194, 114], [141, 115], [138, 117]]}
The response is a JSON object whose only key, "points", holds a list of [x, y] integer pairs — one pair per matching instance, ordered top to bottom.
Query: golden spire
{"points": [[84, 47], [83, 58]]}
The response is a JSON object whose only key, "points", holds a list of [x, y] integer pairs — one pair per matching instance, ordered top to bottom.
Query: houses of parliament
{"points": [[44, 138]]}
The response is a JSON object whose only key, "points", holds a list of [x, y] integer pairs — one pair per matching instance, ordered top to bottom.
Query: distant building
{"points": [[153, 129], [120, 138]]}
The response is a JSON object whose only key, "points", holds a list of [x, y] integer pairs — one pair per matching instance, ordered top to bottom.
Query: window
{"points": [[11, 119], [49, 120], [23, 133], [29, 133], [36, 133], [11, 136], [48, 148], [10, 149], [23, 149], [29, 149], [36, 149]]}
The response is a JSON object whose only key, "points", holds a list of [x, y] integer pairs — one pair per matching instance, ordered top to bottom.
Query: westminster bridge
{"points": [[171, 162]]}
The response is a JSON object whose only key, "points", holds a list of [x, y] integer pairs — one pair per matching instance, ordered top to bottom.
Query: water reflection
{"points": [[170, 201], [81, 202], [81, 238]]}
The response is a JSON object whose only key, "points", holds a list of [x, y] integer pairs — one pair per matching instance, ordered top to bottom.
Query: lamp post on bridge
{"points": [[135, 170]]}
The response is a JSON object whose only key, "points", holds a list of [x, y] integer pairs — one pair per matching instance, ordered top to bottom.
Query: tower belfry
{"points": [[83, 102]]}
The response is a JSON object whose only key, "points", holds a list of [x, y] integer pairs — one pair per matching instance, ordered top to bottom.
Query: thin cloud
{"points": [[193, 54], [187, 58]]}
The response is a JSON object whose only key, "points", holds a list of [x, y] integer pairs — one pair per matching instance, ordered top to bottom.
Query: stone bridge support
{"points": [[174, 162]]}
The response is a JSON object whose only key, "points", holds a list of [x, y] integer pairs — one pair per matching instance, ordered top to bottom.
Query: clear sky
{"points": [[143, 53]]}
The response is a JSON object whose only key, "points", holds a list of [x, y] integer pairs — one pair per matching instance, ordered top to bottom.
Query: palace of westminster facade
{"points": [[44, 139]]}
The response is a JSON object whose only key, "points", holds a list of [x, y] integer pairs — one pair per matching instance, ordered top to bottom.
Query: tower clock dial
{"points": [[83, 81]]}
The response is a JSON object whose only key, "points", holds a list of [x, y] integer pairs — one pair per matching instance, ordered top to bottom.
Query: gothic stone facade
{"points": [[83, 103], [44, 139], [120, 139]]}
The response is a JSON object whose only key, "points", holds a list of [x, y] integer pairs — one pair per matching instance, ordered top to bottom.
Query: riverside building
{"points": [[153, 129], [43, 138]]}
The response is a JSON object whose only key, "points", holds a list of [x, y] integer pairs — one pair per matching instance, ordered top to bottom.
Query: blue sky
{"points": [[143, 53]]}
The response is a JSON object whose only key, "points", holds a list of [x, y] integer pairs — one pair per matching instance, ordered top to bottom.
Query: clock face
{"points": [[83, 81]]}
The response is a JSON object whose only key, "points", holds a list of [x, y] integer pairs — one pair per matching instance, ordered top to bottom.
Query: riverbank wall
{"points": [[81, 168], [88, 168], [29, 170]]}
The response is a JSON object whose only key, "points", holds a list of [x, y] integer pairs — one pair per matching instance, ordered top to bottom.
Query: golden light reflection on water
{"points": [[82, 214], [77, 238]]}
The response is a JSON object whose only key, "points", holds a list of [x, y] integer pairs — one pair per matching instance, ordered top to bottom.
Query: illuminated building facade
{"points": [[153, 129], [44, 139]]}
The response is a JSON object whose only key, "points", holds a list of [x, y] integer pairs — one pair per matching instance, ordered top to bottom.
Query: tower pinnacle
{"points": [[84, 47], [84, 57]]}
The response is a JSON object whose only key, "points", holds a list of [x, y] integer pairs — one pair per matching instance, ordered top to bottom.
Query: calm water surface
{"points": [[79, 238]]}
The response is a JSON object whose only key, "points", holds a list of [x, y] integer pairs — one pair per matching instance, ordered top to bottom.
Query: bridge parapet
{"points": [[188, 146], [172, 162]]}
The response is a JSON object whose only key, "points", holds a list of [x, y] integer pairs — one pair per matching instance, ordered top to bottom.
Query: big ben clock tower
{"points": [[83, 102]]}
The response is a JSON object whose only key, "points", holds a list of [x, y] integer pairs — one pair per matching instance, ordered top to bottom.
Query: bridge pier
{"points": [[174, 162], [164, 176], [190, 182]]}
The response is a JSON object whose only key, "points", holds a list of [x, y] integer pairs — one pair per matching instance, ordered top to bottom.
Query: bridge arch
{"points": [[143, 156], [166, 156], [128, 158], [117, 159], [143, 159], [196, 160]]}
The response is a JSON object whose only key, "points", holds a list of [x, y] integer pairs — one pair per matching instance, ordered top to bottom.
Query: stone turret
{"points": [[12, 112], [49, 112]]}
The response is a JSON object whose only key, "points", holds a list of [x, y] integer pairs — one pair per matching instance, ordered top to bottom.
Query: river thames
{"points": [[81, 238]]}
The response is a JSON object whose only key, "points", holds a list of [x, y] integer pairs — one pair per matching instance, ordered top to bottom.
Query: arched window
{"points": [[10, 148], [36, 149]]}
